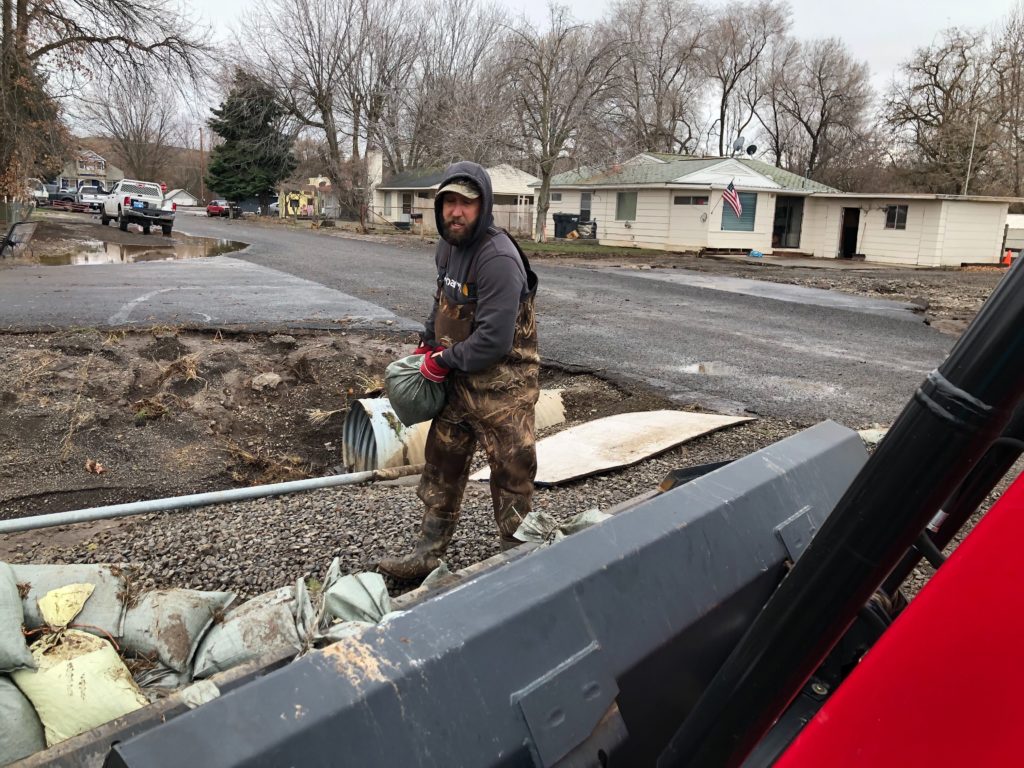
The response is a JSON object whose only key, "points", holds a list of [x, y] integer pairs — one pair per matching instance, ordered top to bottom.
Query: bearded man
{"points": [[481, 341]]}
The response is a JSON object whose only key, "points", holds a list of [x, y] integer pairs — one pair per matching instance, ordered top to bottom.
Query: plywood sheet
{"points": [[617, 441]]}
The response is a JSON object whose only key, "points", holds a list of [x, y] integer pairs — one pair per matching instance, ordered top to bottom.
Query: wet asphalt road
{"points": [[735, 345]]}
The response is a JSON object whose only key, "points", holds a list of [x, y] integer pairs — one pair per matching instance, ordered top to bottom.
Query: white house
{"points": [[181, 197], [407, 199], [674, 202]]}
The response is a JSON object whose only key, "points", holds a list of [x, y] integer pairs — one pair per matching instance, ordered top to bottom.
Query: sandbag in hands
{"points": [[413, 397]]}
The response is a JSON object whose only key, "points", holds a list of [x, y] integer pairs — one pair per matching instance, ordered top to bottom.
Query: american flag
{"points": [[731, 196]]}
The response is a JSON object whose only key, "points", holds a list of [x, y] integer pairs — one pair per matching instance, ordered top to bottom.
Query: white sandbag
{"points": [[544, 529], [358, 597], [103, 614], [276, 621], [169, 624], [14, 652], [80, 681], [21, 732]]}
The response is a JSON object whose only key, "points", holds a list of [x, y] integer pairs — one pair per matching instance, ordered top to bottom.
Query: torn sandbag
{"points": [[413, 397], [540, 527], [437, 575], [357, 597], [103, 614], [276, 621], [170, 623], [340, 630], [14, 652], [160, 676], [80, 681], [22, 731]]}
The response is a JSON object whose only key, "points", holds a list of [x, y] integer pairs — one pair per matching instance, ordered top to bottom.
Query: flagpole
{"points": [[720, 198]]}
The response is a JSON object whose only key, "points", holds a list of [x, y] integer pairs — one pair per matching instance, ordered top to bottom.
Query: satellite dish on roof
{"points": [[737, 146], [752, 149]]}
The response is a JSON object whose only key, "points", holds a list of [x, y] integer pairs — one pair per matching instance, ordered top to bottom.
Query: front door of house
{"points": [[406, 206], [789, 219], [849, 229]]}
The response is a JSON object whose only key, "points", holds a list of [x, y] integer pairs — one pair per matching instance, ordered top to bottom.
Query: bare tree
{"points": [[44, 37], [738, 37], [1008, 69], [557, 79], [826, 93], [657, 104], [946, 112], [141, 123]]}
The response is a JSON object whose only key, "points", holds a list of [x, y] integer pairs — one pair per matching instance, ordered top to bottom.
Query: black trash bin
{"points": [[565, 223]]}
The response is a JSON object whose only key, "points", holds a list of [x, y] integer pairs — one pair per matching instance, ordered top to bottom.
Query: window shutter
{"points": [[744, 223]]}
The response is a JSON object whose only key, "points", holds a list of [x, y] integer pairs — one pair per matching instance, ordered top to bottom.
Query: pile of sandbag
{"points": [[71, 637]]}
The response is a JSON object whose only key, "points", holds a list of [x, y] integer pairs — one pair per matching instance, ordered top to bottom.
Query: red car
{"points": [[218, 208]]}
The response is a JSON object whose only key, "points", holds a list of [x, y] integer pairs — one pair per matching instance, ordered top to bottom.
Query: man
{"points": [[481, 340]]}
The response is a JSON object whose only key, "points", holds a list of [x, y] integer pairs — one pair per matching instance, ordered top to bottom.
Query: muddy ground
{"points": [[94, 418]]}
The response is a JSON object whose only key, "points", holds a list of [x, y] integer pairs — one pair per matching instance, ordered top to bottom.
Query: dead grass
{"points": [[185, 368], [318, 417], [259, 466]]}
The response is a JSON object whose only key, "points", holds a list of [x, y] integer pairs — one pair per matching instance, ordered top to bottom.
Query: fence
{"points": [[12, 213], [517, 219]]}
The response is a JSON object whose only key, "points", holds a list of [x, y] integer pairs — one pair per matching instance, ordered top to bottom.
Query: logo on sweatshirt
{"points": [[456, 286]]}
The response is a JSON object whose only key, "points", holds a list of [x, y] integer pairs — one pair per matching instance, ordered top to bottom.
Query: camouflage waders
{"points": [[494, 407]]}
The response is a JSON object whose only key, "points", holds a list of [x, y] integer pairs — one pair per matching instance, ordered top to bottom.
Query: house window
{"points": [[422, 195], [555, 197], [684, 200], [387, 203], [407, 203], [585, 206], [625, 206], [895, 217], [744, 222]]}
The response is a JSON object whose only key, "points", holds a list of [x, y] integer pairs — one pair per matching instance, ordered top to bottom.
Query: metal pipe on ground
{"points": [[374, 438], [174, 503]]}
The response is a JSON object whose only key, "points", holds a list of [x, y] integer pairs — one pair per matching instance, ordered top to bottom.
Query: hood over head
{"points": [[475, 173]]}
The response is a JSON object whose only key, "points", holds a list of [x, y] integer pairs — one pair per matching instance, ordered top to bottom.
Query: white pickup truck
{"points": [[91, 196], [138, 202]]}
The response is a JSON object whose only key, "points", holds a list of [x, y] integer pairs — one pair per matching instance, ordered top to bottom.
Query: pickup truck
{"points": [[91, 196], [138, 202]]}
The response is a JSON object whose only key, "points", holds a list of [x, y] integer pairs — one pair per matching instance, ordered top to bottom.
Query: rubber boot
{"points": [[435, 534]]}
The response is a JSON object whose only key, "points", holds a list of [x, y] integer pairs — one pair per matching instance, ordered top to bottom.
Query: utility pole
{"points": [[970, 158], [202, 169]]}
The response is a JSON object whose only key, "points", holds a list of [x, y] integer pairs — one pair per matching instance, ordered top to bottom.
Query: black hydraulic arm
{"points": [[946, 428]]}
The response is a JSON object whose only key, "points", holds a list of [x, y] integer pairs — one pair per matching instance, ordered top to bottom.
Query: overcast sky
{"points": [[882, 32]]}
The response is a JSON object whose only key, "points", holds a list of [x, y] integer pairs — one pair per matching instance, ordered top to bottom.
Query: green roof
{"points": [[674, 167], [418, 178], [786, 179]]}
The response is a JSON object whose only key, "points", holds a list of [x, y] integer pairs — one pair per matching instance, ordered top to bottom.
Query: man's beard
{"points": [[453, 237]]}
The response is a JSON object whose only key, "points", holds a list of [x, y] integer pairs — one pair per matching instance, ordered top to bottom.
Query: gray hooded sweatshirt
{"points": [[493, 262]]}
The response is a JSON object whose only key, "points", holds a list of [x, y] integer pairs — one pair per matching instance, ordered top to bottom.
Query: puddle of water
{"points": [[161, 249], [711, 368]]}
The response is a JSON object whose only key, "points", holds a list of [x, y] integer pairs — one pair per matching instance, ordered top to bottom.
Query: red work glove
{"points": [[424, 349], [433, 369]]}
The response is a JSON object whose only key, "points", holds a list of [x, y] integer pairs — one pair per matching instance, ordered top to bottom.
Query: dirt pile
{"points": [[93, 418]]}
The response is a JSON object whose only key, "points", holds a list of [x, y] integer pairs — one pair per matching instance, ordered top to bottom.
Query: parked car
{"points": [[37, 192], [91, 196], [138, 202], [218, 208], [274, 208]]}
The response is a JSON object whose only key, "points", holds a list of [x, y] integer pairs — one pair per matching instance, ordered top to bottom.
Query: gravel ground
{"points": [[259, 545]]}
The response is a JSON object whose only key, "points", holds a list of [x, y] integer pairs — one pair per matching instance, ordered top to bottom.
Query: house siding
{"points": [[570, 204], [648, 230], [686, 231], [974, 232], [760, 239]]}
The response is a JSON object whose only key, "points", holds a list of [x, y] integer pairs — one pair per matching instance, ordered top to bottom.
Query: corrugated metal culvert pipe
{"points": [[374, 438]]}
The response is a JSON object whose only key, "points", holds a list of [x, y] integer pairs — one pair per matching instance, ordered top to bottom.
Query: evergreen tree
{"points": [[256, 154]]}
